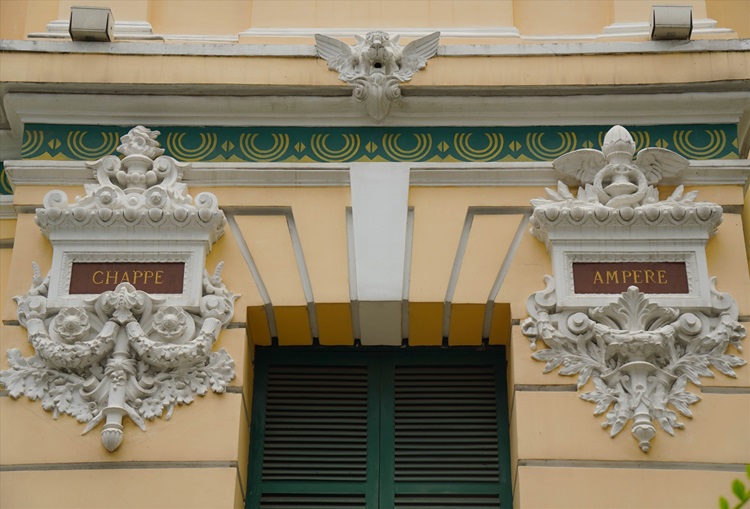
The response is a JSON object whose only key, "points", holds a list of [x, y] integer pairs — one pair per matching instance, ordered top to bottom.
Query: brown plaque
{"points": [[149, 277], [649, 277]]}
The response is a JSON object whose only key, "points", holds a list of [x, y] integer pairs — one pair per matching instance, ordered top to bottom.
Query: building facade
{"points": [[422, 253]]}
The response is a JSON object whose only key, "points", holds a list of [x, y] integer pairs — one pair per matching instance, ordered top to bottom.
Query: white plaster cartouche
{"points": [[640, 351], [124, 352]]}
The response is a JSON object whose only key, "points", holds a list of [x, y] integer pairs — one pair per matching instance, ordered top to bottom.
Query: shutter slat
{"points": [[445, 420], [315, 430]]}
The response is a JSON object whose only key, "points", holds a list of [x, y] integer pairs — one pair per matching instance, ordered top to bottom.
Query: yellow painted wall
{"points": [[231, 17]]}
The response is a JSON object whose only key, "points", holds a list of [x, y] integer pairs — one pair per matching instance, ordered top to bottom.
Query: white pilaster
{"points": [[380, 193]]}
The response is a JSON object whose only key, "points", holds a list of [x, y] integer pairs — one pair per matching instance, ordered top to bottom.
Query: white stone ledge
{"points": [[303, 50], [73, 173]]}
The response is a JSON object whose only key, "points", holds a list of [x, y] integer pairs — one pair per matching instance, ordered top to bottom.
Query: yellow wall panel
{"points": [[122, 10], [374, 14], [730, 14], [219, 17], [551, 17], [7, 229], [490, 238], [269, 242], [30, 245], [726, 258], [530, 264], [236, 274], [7, 306], [257, 323], [425, 323], [334, 324], [293, 325], [466, 325], [500, 329], [234, 341], [560, 426], [209, 429], [185, 488], [620, 488]]}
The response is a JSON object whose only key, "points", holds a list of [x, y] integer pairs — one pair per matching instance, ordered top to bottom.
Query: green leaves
{"points": [[739, 490]]}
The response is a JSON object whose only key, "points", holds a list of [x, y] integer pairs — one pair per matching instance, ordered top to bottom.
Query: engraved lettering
{"points": [[137, 274], [148, 274], [159, 274], [625, 275], [649, 276], [661, 276], [613, 277], [637, 277], [94, 278], [112, 278], [125, 278], [598, 278]]}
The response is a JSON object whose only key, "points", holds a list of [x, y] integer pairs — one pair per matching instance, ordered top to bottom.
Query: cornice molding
{"points": [[549, 48], [203, 106], [76, 173]]}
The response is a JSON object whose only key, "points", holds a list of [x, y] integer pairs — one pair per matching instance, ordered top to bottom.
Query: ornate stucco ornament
{"points": [[377, 65], [618, 190], [140, 191], [639, 350], [124, 352], [639, 355]]}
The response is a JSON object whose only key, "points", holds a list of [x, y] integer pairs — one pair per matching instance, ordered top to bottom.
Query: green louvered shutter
{"points": [[379, 428]]}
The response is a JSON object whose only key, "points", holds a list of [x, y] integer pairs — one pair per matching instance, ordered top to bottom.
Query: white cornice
{"points": [[204, 47], [444, 110], [71, 173]]}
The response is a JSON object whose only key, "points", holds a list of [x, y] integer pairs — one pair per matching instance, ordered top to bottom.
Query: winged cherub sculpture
{"points": [[376, 65]]}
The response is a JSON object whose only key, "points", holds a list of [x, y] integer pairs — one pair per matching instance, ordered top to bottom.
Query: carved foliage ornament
{"points": [[376, 65], [124, 353], [639, 355]]}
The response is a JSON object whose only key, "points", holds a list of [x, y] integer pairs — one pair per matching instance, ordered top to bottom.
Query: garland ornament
{"points": [[376, 65], [124, 353], [639, 354]]}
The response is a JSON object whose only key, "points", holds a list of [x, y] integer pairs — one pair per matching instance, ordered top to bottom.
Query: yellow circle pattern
{"points": [[32, 142], [717, 143], [494, 146], [176, 147], [279, 147], [321, 150], [81, 151], [394, 151], [543, 152]]}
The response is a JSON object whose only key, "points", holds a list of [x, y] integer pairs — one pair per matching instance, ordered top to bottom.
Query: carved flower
{"points": [[141, 140], [170, 322], [72, 324]]}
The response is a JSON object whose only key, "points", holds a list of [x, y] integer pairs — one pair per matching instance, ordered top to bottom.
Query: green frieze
{"points": [[363, 144]]}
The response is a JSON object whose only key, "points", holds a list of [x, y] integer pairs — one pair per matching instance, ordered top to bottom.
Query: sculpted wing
{"points": [[338, 54], [415, 55], [657, 163], [582, 164]]}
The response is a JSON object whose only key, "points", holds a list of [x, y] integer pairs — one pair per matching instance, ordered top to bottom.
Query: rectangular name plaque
{"points": [[617, 277], [93, 278]]}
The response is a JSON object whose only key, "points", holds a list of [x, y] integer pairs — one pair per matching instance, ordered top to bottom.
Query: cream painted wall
{"points": [[230, 17]]}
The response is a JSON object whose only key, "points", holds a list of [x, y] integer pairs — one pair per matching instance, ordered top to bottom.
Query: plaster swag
{"points": [[124, 352]]}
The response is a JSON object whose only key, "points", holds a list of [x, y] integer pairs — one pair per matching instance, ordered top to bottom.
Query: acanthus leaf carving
{"points": [[376, 65], [637, 352], [125, 353], [639, 355], [98, 363]]}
